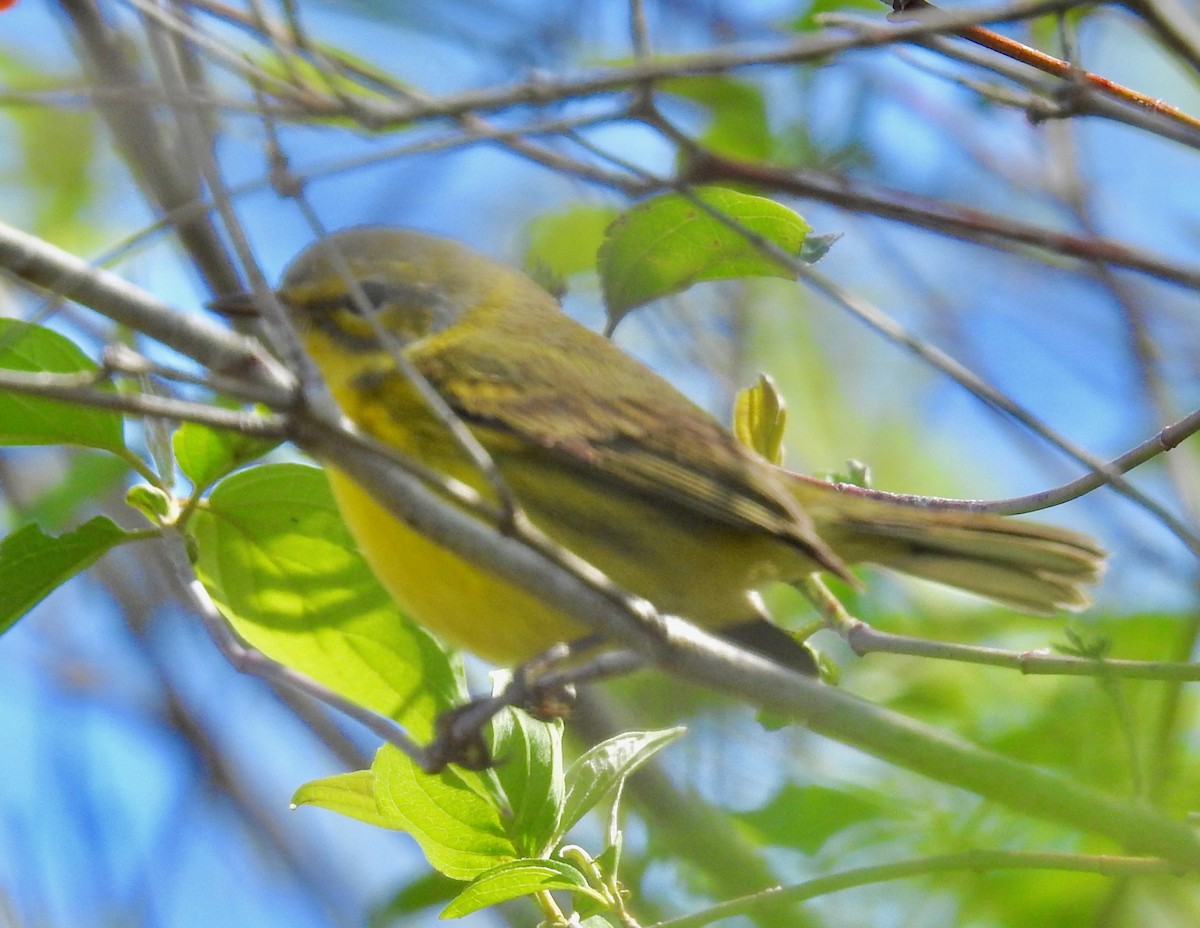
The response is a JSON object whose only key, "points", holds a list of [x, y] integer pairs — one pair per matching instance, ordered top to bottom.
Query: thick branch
{"points": [[682, 649]]}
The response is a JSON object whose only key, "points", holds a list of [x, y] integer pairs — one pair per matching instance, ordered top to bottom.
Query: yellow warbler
{"points": [[608, 460]]}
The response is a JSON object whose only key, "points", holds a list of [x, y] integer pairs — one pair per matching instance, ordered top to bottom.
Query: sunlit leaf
{"points": [[668, 243], [759, 419], [28, 420], [206, 454], [155, 504], [275, 556], [530, 770], [596, 773], [349, 794], [452, 816], [518, 878]]}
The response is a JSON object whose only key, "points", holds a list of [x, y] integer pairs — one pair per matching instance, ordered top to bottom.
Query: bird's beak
{"points": [[235, 306]]}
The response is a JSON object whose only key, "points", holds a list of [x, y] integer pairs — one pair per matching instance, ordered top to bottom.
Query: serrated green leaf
{"points": [[738, 127], [668, 243], [760, 419], [28, 420], [205, 454], [273, 553], [33, 564], [604, 766], [530, 770], [349, 794], [450, 814], [805, 817], [518, 878]]}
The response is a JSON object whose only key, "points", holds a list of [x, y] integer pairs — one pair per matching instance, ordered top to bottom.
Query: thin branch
{"points": [[1175, 24], [1048, 64], [544, 90], [1062, 100], [946, 219], [879, 321], [885, 325], [216, 348], [81, 389], [1163, 441], [864, 639], [680, 648], [246, 659], [976, 861]]}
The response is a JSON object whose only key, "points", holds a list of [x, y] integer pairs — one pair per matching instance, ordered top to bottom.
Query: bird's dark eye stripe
{"points": [[378, 294]]}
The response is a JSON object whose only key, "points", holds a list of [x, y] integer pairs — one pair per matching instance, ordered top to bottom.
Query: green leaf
{"points": [[808, 21], [320, 78], [739, 126], [57, 147], [566, 243], [668, 243], [816, 247], [760, 418], [28, 420], [206, 454], [89, 476], [156, 505], [273, 553], [33, 564], [530, 769], [597, 772], [349, 794], [451, 814], [805, 817], [518, 878], [433, 888]]}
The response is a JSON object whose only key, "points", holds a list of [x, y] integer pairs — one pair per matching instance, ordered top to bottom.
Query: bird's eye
{"points": [[377, 294]]}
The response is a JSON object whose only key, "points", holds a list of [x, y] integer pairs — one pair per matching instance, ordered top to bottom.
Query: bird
{"points": [[607, 459]]}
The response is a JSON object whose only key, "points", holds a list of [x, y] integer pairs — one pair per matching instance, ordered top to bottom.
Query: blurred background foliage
{"points": [[144, 782]]}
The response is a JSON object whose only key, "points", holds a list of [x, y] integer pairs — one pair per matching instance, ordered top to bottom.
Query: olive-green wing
{"points": [[557, 388]]}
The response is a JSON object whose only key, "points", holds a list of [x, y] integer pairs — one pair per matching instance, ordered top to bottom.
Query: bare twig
{"points": [[986, 38], [946, 219], [81, 389], [973, 861]]}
